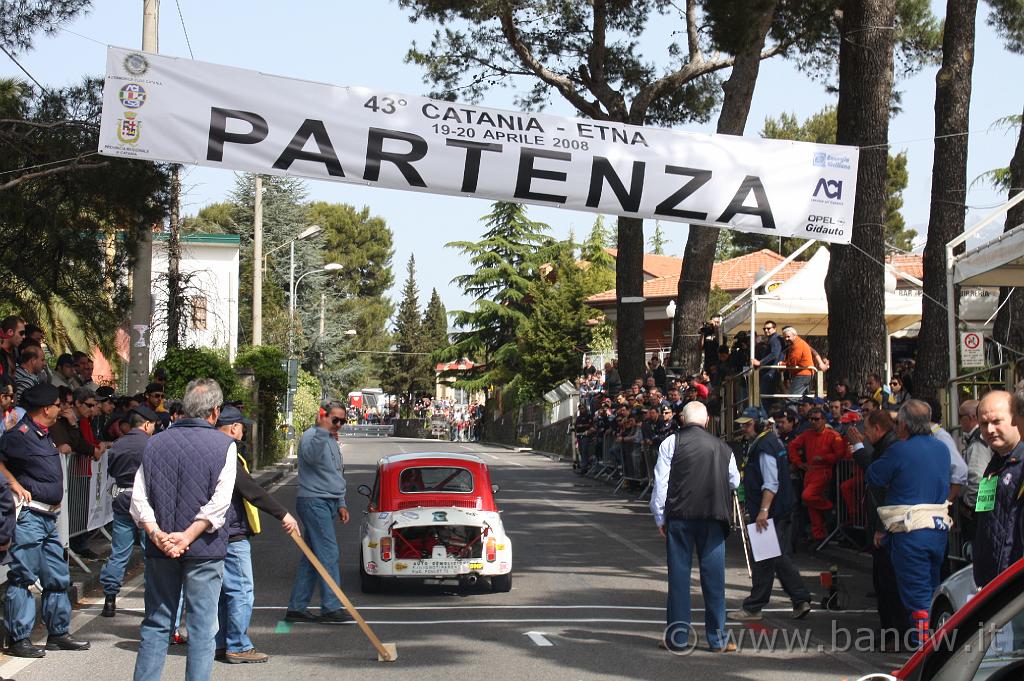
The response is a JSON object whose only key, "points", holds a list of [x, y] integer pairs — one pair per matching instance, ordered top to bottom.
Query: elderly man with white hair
{"points": [[692, 506]]}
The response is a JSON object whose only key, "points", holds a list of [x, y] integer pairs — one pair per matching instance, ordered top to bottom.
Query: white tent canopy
{"points": [[999, 262], [800, 302]]}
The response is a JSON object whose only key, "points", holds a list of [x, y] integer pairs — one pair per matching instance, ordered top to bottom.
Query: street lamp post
{"points": [[310, 231], [293, 287]]}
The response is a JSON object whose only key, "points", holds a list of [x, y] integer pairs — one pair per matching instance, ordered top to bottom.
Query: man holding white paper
{"points": [[769, 499]]}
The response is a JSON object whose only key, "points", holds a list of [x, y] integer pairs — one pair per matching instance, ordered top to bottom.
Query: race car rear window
{"points": [[434, 479]]}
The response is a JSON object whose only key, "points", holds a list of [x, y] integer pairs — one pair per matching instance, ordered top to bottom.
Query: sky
{"points": [[364, 42]]}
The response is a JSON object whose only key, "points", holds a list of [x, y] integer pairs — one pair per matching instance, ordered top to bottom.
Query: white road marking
{"points": [[646, 608], [538, 638]]}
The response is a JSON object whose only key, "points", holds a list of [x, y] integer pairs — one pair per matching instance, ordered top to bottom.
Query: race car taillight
{"points": [[385, 548], [492, 552]]}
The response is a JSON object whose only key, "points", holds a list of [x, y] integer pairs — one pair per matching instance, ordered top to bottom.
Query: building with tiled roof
{"points": [[661, 284]]}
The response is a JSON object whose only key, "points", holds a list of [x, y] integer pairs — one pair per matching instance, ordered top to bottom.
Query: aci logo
{"points": [[833, 188]]}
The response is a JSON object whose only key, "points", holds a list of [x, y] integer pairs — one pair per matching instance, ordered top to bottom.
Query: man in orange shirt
{"points": [[800, 354], [816, 451]]}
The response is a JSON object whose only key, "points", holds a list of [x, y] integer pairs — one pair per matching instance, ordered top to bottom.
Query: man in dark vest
{"points": [[123, 461], [31, 463], [768, 494], [181, 498], [692, 506], [999, 507], [237, 595]]}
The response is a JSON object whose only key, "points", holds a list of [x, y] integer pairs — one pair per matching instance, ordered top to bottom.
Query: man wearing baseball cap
{"points": [[123, 461], [769, 496], [243, 521]]}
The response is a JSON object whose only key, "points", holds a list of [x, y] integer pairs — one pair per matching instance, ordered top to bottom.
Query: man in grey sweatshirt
{"points": [[321, 499]]}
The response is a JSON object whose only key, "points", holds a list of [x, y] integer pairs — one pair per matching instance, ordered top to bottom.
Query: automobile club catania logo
{"points": [[136, 64], [132, 96], [128, 128]]}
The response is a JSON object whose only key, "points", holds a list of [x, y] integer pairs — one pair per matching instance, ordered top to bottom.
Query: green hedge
{"points": [[265, 363], [185, 364]]}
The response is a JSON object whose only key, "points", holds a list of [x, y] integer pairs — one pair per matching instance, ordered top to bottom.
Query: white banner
{"points": [[168, 109], [101, 510]]}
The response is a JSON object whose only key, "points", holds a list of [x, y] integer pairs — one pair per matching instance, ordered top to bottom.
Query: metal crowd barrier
{"points": [[368, 430], [603, 464], [633, 469], [850, 489], [87, 501], [849, 503], [961, 535]]}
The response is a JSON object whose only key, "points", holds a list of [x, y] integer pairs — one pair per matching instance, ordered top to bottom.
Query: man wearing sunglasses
{"points": [[12, 332], [772, 354], [155, 401], [73, 433], [816, 451], [321, 499]]}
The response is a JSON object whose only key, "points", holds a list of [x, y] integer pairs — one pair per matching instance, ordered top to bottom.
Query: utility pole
{"points": [[257, 266], [142, 312]]}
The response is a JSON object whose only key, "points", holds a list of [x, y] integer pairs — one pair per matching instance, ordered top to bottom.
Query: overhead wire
{"points": [[188, 43], [23, 69]]}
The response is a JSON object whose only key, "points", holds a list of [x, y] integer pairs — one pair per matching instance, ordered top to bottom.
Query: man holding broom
{"points": [[321, 499]]}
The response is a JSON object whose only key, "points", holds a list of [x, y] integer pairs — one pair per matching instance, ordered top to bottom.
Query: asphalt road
{"points": [[587, 602]]}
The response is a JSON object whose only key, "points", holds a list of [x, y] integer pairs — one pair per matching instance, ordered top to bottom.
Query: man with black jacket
{"points": [[584, 429], [867, 448], [31, 463], [123, 463], [769, 495], [692, 506], [999, 509], [237, 596]]}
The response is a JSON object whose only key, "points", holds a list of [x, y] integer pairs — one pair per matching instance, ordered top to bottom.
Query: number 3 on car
{"points": [[433, 516]]}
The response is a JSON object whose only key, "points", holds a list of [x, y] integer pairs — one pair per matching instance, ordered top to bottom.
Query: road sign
{"points": [[972, 349]]}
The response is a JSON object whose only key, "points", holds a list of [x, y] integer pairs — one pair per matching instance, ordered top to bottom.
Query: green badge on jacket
{"points": [[986, 494]]}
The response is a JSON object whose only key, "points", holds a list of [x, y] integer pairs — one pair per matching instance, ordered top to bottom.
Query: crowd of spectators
{"points": [[463, 422], [831, 441]]}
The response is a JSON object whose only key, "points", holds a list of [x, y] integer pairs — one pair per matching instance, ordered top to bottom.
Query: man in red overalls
{"points": [[816, 451]]}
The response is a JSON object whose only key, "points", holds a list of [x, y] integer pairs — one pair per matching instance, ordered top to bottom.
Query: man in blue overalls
{"points": [[31, 463], [915, 472]]}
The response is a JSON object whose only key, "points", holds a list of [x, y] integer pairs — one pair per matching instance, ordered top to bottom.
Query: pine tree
{"points": [[657, 241], [592, 250], [506, 262], [435, 325], [557, 331], [403, 372]]}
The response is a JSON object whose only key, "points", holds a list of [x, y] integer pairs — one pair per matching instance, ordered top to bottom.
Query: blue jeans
{"points": [[799, 385], [317, 516], [123, 538], [706, 538], [36, 553], [165, 578], [236, 599]]}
